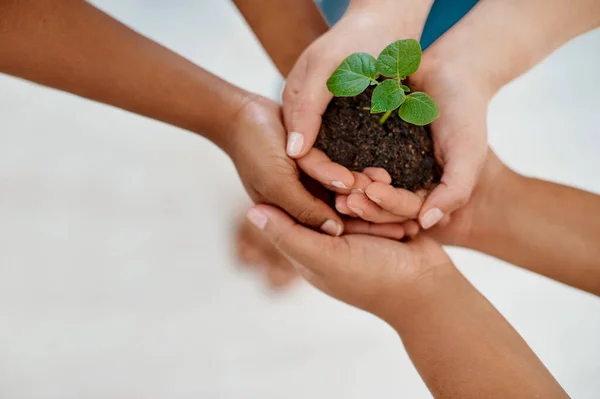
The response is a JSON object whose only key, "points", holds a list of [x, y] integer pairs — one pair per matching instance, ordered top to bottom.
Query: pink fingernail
{"points": [[295, 144], [338, 184], [357, 191], [374, 199], [358, 211], [431, 217], [257, 218], [332, 228]]}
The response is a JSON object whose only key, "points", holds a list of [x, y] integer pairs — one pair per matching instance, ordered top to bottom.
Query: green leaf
{"points": [[400, 59], [353, 75], [406, 88], [387, 96], [419, 109]]}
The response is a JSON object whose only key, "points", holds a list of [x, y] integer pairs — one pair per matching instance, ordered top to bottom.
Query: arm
{"points": [[284, 28], [502, 39], [72, 46], [545, 227], [461, 346]]}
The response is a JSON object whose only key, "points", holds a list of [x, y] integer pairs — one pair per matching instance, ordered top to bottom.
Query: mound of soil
{"points": [[351, 136]]}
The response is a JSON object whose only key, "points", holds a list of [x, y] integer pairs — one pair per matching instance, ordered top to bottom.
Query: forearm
{"points": [[404, 18], [284, 28], [501, 39], [72, 46], [548, 228], [462, 347]]}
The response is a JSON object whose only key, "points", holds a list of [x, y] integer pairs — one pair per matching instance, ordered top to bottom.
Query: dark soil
{"points": [[351, 136]]}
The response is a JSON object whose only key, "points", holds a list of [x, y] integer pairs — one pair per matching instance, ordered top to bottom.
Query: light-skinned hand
{"points": [[363, 28], [455, 229]]}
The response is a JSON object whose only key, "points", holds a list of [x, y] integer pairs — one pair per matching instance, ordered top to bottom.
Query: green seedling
{"points": [[396, 62]]}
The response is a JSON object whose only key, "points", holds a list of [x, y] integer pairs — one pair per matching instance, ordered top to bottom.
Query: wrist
{"points": [[397, 19], [500, 40], [226, 121], [497, 209], [415, 298]]}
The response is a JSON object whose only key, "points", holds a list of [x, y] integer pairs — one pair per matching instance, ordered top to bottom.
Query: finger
{"points": [[305, 98], [318, 166], [378, 174], [361, 181], [453, 192], [295, 199], [395, 200], [342, 207], [367, 210], [411, 228], [395, 231], [301, 244], [279, 278]]}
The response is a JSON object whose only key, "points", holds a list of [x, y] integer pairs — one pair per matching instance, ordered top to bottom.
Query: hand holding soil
{"points": [[306, 97], [358, 139], [456, 142], [257, 148]]}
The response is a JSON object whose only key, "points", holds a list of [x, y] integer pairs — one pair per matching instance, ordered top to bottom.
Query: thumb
{"points": [[305, 99], [453, 192], [309, 210], [299, 243]]}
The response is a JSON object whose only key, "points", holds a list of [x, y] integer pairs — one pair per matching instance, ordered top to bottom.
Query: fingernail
{"points": [[295, 143], [338, 184], [357, 191], [374, 199], [358, 211], [431, 217], [257, 218], [332, 228]]}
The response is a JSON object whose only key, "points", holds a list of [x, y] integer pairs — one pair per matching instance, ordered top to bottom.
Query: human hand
{"points": [[364, 28], [459, 134], [257, 148], [460, 228], [255, 252], [368, 272]]}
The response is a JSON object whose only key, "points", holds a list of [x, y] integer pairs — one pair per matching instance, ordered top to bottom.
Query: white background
{"points": [[117, 278]]}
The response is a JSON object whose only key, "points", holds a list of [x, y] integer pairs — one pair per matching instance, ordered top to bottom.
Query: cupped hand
{"points": [[305, 97], [459, 134], [460, 145], [257, 149], [460, 228], [255, 252], [371, 273]]}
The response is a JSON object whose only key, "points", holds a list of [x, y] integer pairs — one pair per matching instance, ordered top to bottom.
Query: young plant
{"points": [[396, 62]]}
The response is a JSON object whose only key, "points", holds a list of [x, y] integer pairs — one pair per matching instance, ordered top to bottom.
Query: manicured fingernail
{"points": [[295, 143], [338, 184], [357, 191], [374, 199], [358, 211], [431, 217], [257, 218], [332, 228]]}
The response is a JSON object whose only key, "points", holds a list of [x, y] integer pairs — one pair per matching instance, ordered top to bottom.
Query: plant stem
{"points": [[385, 117]]}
